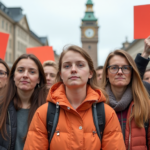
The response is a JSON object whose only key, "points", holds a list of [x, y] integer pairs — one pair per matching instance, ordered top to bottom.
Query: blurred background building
{"points": [[15, 23], [136, 46]]}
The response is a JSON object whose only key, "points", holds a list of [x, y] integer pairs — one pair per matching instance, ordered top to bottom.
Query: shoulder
{"points": [[108, 110], [41, 114], [110, 115]]}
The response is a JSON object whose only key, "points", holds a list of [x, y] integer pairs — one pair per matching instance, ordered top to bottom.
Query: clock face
{"points": [[89, 33]]}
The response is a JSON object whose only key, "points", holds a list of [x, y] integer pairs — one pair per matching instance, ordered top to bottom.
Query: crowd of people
{"points": [[73, 106]]}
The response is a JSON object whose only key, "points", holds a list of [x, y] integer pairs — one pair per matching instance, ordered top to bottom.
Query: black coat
{"points": [[141, 65], [11, 127]]}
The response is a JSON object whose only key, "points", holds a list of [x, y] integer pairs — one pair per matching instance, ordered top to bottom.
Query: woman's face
{"points": [[75, 70], [50, 73], [26, 75], [3, 76], [119, 79]]}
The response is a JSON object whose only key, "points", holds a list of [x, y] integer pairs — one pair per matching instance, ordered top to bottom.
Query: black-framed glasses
{"points": [[125, 69], [2, 74]]}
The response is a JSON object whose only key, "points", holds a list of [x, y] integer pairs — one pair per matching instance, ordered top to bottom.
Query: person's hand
{"points": [[146, 51]]}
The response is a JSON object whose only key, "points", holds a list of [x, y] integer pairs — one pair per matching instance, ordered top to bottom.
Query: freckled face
{"points": [[75, 70], [26, 75], [119, 79]]}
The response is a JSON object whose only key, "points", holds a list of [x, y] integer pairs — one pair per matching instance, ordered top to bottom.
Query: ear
{"points": [[91, 74]]}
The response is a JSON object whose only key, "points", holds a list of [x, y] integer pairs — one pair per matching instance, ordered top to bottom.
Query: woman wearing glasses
{"points": [[4, 74], [128, 97]]}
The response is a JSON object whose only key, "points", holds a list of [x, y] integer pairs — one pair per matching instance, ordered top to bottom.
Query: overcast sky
{"points": [[60, 21]]}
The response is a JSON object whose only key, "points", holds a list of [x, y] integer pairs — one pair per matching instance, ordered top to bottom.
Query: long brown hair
{"points": [[93, 81], [140, 95], [37, 99]]}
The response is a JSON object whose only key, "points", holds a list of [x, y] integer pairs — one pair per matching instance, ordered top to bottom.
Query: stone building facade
{"points": [[15, 23], [136, 46]]}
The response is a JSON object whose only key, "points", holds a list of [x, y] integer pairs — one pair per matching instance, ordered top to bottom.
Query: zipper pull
{"points": [[94, 132], [57, 133]]}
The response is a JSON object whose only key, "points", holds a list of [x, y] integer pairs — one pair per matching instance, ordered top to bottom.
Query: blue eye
{"points": [[80, 65], [66, 66], [114, 67], [20, 70], [32, 72]]}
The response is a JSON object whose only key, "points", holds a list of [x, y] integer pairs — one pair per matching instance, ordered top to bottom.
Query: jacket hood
{"points": [[57, 93]]}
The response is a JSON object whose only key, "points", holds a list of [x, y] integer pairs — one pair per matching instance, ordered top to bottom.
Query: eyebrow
{"points": [[76, 61], [29, 68]]}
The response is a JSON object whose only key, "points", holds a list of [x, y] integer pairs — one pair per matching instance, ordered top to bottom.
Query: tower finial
{"points": [[89, 2]]}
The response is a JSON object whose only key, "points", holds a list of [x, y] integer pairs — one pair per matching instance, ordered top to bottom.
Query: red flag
{"points": [[141, 21], [3, 44], [43, 53]]}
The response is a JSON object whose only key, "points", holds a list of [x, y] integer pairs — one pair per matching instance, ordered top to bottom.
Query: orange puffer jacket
{"points": [[76, 127], [135, 138]]}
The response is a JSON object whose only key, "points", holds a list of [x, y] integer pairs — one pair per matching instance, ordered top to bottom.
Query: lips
{"points": [[74, 77], [25, 82]]}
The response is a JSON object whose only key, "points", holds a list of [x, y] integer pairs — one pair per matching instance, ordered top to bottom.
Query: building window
{"points": [[2, 24], [6, 26], [10, 28], [18, 31], [10, 43], [6, 56], [10, 57]]}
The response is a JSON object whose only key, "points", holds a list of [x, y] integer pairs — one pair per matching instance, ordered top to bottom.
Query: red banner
{"points": [[141, 21], [3, 44], [43, 53]]}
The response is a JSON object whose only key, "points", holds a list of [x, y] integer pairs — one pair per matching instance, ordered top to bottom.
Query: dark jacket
{"points": [[141, 65], [11, 127]]}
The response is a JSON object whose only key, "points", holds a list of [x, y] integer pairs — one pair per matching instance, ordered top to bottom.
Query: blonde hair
{"points": [[50, 63], [93, 81], [140, 94]]}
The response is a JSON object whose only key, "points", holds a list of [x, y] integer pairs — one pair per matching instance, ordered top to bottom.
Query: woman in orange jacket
{"points": [[75, 94], [129, 98]]}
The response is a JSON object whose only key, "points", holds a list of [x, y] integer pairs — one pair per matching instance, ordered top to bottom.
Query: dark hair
{"points": [[6, 66], [99, 67], [37, 99]]}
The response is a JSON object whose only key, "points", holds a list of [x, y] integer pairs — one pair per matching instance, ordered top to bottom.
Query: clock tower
{"points": [[89, 32]]}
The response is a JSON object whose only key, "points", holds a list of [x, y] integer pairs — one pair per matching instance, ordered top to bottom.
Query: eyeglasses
{"points": [[125, 69], [2, 74]]}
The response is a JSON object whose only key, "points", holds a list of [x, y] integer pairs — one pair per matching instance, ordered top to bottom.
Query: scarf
{"points": [[123, 103]]}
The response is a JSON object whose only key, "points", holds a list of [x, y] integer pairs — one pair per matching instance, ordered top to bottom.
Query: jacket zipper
{"points": [[9, 129], [130, 129]]}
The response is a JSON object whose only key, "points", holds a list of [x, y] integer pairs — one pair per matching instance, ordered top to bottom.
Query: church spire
{"points": [[89, 14]]}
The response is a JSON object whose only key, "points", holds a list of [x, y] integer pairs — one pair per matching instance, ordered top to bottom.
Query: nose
{"points": [[73, 68], [120, 71], [25, 73], [48, 77]]}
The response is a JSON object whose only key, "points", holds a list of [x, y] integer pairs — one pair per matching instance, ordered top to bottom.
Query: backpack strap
{"points": [[99, 118], [52, 120], [146, 124]]}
